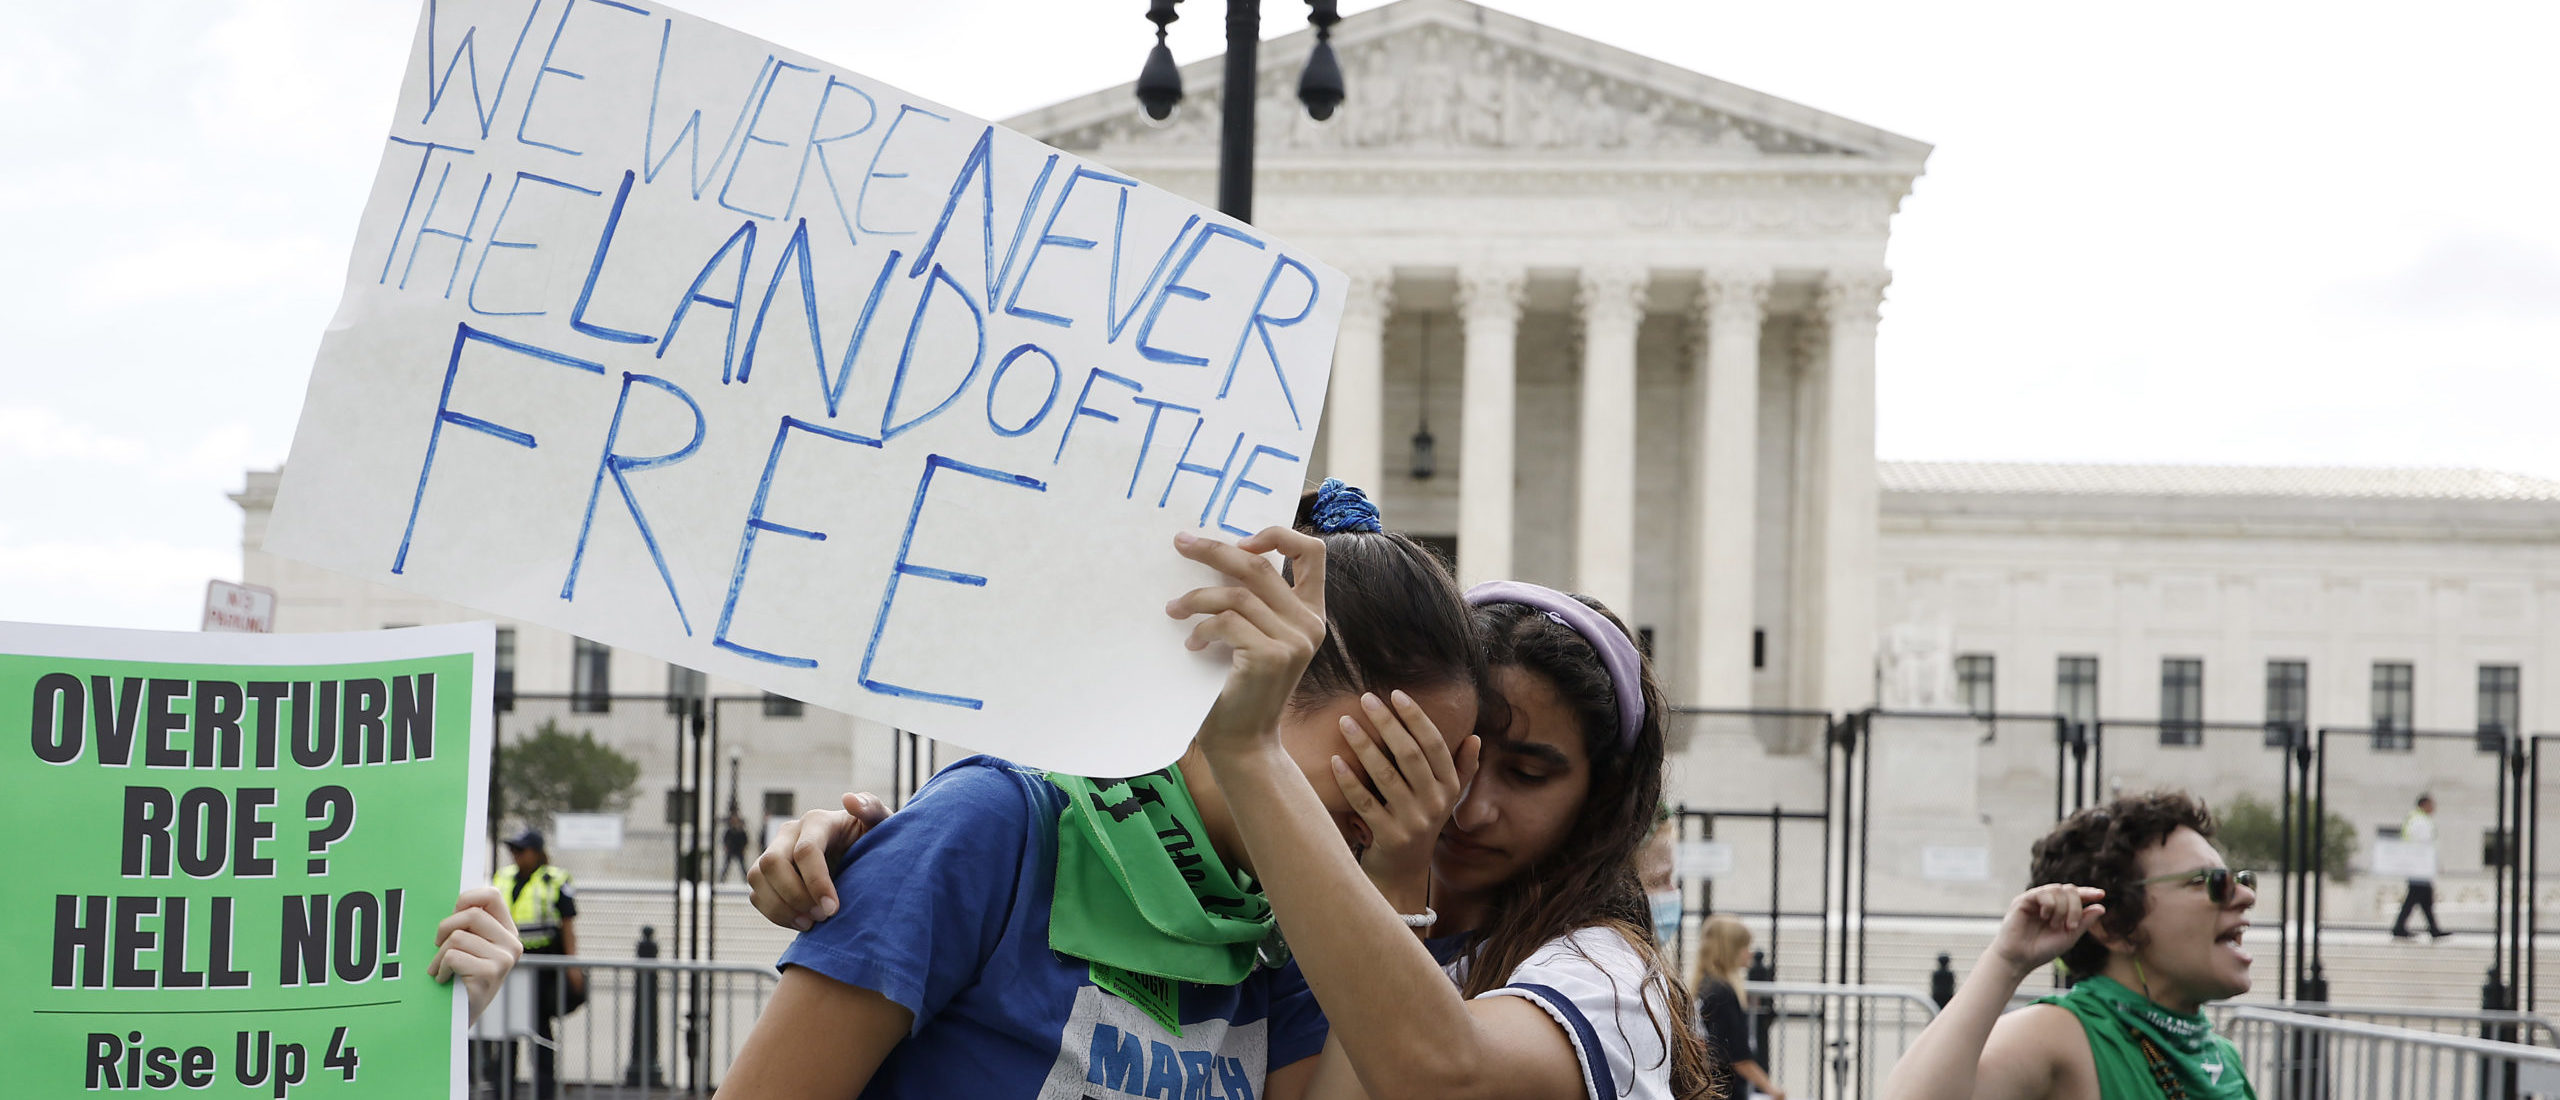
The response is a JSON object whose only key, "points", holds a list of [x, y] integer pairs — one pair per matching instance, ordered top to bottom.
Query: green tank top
{"points": [[2146, 1052]]}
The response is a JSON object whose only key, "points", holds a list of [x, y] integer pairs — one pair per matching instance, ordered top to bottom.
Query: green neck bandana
{"points": [[1140, 889], [2143, 1050]]}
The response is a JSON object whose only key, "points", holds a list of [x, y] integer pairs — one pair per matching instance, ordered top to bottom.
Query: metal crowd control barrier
{"points": [[2509, 770], [1830, 818], [2469, 1023], [650, 1027], [1834, 1041], [2297, 1056]]}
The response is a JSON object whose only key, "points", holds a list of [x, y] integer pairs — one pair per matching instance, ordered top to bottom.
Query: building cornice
{"points": [[1452, 56], [1575, 176], [2242, 519]]}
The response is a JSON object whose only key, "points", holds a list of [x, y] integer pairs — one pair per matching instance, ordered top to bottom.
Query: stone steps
{"points": [[611, 915]]}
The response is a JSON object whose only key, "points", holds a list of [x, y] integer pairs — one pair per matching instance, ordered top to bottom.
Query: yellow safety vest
{"points": [[537, 909]]}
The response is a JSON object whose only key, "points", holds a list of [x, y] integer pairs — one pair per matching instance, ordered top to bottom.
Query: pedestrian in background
{"points": [[2420, 830], [733, 848], [1655, 864], [545, 907], [1723, 958]]}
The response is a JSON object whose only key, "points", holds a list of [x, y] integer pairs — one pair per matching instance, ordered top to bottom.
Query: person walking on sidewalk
{"points": [[2420, 829], [733, 847]]}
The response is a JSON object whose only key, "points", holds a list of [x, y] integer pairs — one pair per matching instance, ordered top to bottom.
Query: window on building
{"points": [[591, 678], [504, 685], [684, 686], [1976, 686], [2075, 689], [2181, 701], [2288, 702], [782, 706], [2394, 706], [2500, 709], [780, 804], [2493, 849]]}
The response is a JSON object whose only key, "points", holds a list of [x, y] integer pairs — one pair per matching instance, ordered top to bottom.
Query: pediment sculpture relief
{"points": [[1436, 88]]}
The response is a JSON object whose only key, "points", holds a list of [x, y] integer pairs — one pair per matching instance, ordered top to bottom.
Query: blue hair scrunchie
{"points": [[1340, 507]]}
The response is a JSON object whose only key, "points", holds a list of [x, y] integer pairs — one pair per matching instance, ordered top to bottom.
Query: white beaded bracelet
{"points": [[1424, 919]]}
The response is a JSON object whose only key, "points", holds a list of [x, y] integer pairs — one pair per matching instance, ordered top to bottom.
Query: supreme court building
{"points": [[1611, 324], [1612, 329]]}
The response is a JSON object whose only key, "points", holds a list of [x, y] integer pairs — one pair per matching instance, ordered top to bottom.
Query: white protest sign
{"points": [[680, 341], [239, 608], [571, 832], [1705, 859], [2404, 859], [1955, 863]]}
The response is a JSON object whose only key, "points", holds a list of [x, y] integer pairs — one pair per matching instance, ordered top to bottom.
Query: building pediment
{"points": [[1447, 79]]}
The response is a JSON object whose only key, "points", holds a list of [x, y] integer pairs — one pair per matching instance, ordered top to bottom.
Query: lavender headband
{"points": [[1617, 653]]}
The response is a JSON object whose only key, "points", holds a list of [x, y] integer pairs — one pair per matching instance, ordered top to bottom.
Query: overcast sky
{"points": [[2173, 232]]}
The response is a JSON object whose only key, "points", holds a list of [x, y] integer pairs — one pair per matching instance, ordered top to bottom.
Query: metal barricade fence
{"points": [[2470, 1023], [649, 1027], [670, 1028], [1834, 1042], [2298, 1056]]}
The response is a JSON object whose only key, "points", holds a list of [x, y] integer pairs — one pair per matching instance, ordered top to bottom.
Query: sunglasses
{"points": [[2217, 881]]}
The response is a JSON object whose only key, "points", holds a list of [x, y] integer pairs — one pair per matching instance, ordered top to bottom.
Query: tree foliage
{"points": [[551, 771], [2252, 835]]}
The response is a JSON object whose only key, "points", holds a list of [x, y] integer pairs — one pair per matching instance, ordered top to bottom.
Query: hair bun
{"points": [[1339, 507]]}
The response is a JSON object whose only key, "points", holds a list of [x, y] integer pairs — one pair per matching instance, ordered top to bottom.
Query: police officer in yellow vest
{"points": [[545, 908]]}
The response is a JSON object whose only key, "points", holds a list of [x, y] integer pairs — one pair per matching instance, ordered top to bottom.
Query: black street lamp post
{"points": [[1319, 87], [734, 755]]}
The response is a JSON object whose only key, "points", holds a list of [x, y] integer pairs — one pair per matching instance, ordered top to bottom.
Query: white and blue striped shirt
{"points": [[1593, 983]]}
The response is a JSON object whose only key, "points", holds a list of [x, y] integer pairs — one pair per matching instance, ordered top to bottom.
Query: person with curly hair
{"points": [[2132, 899]]}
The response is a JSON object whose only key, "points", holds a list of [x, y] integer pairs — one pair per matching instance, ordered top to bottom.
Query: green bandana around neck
{"points": [[1139, 888], [2193, 1063]]}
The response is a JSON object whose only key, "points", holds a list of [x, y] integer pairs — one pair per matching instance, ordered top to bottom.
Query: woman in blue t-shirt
{"points": [[1031, 934], [1559, 991]]}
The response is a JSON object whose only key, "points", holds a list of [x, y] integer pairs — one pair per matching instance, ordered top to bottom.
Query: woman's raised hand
{"points": [[1272, 626], [1417, 785], [793, 883], [2044, 922]]}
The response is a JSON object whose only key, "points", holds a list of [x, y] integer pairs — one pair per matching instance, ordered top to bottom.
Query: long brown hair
{"points": [[1589, 879]]}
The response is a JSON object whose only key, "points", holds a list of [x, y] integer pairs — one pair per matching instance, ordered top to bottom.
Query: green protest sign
{"points": [[232, 853]]}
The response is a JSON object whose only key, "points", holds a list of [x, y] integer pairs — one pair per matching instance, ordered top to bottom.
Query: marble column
{"points": [[1489, 301], [1612, 304], [1356, 399], [1846, 497], [1722, 574], [1803, 637]]}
